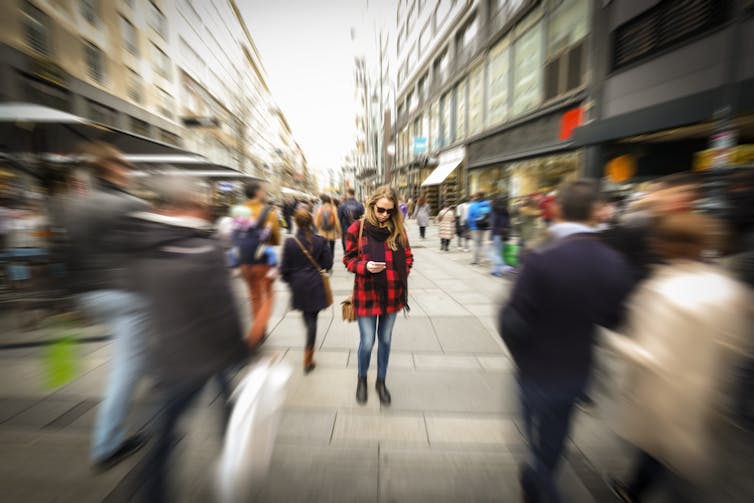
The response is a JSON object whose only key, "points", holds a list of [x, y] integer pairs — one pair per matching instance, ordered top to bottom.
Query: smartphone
{"points": [[378, 263]]}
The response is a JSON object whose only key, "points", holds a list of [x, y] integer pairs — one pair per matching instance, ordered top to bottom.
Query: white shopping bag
{"points": [[250, 436]]}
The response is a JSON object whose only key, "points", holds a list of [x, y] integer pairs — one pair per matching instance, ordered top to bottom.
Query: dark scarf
{"points": [[376, 237]]}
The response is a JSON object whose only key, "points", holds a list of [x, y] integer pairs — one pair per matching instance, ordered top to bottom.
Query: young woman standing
{"points": [[378, 253], [303, 278]]}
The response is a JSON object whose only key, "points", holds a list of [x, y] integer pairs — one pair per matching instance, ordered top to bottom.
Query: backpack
{"points": [[352, 208], [327, 219], [483, 222], [248, 243]]}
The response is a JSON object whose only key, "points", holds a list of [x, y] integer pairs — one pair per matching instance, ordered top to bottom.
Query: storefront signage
{"points": [[569, 121], [420, 144]]}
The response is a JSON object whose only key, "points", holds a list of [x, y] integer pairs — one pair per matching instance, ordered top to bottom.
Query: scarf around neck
{"points": [[376, 244]]}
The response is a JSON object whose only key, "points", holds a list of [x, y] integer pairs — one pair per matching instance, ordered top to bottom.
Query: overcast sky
{"points": [[306, 49]]}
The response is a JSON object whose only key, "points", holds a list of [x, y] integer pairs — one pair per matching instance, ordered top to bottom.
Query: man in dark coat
{"points": [[349, 211], [563, 291], [197, 331]]}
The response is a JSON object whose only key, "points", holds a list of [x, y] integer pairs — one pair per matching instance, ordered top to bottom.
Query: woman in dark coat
{"points": [[304, 279]]}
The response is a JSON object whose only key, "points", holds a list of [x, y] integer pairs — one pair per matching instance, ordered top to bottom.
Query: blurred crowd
{"points": [[662, 278]]}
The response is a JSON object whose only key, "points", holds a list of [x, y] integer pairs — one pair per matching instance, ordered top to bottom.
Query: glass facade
{"points": [[498, 68], [528, 70]]}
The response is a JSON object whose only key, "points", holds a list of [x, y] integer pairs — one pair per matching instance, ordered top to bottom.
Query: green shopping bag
{"points": [[510, 254], [61, 361]]}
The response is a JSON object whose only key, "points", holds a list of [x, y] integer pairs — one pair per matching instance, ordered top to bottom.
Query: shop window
{"points": [[667, 24], [36, 28], [129, 36], [527, 59], [94, 62], [498, 68], [37, 91], [460, 96], [476, 100], [100, 113]]}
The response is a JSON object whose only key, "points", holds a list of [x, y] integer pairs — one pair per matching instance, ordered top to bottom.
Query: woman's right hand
{"points": [[375, 267]]}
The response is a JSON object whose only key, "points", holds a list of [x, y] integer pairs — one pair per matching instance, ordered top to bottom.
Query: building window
{"points": [[443, 8], [89, 11], [157, 20], [410, 20], [668, 23], [36, 28], [467, 34], [129, 36], [424, 37], [399, 43], [527, 60], [162, 62], [95, 64], [565, 65], [441, 67], [498, 68], [134, 86], [423, 89], [476, 100], [412, 101], [165, 104], [461, 110], [434, 125], [139, 127], [447, 129]]}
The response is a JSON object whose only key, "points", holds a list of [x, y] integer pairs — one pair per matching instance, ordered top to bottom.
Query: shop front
{"points": [[532, 157]]}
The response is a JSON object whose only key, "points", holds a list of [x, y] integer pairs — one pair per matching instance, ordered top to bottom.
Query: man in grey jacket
{"points": [[99, 274]]}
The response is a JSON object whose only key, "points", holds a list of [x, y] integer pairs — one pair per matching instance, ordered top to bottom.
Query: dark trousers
{"points": [[289, 224], [422, 231], [331, 242], [445, 244], [310, 321], [547, 415], [154, 468]]}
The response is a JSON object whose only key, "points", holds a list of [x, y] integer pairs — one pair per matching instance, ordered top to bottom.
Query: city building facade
{"points": [[184, 72], [489, 92]]}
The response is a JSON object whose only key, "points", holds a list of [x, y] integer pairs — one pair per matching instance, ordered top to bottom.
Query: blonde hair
{"points": [[394, 223]]}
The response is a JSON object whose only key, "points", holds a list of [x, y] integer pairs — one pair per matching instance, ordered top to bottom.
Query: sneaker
{"points": [[129, 447]]}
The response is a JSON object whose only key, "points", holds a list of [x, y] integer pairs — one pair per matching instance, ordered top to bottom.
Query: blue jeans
{"points": [[496, 254], [126, 315], [368, 327], [547, 415]]}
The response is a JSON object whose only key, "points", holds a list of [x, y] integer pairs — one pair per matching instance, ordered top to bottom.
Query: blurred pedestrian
{"points": [[411, 206], [289, 207], [404, 209], [349, 211], [422, 213], [447, 220], [478, 221], [500, 222], [327, 223], [462, 228], [261, 229], [528, 229], [378, 253], [180, 268], [100, 273], [304, 279], [562, 292], [675, 405]]}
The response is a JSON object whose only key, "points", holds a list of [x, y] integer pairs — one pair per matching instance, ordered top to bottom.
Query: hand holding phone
{"points": [[375, 267]]}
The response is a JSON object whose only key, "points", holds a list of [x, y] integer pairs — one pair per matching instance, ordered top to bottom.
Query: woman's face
{"points": [[383, 208]]}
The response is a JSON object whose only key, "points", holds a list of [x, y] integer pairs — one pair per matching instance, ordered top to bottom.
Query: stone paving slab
{"points": [[435, 302], [414, 334], [464, 335], [340, 336], [337, 359], [397, 360], [446, 362], [496, 363], [326, 388], [307, 426], [369, 427], [465, 429], [321, 474], [429, 476]]}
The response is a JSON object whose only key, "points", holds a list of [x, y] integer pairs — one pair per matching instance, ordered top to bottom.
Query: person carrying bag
{"points": [[310, 287]]}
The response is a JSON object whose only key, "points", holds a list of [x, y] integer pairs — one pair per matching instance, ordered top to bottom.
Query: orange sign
{"points": [[570, 121], [621, 168]]}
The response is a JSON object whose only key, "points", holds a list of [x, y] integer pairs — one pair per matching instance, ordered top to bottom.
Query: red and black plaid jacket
{"points": [[366, 299]]}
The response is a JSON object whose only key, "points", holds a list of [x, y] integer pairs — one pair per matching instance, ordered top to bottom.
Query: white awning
{"points": [[448, 162]]}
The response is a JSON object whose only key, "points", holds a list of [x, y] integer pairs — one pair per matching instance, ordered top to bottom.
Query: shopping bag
{"points": [[510, 254], [61, 358], [250, 436]]}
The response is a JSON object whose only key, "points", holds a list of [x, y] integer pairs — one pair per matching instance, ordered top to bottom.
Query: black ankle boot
{"points": [[361, 390], [382, 392]]}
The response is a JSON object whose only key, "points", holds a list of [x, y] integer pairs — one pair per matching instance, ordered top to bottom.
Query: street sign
{"points": [[420, 144]]}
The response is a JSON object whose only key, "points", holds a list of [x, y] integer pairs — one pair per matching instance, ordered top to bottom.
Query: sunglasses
{"points": [[382, 210]]}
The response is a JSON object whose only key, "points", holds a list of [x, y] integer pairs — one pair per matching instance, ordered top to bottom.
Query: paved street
{"points": [[450, 435]]}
